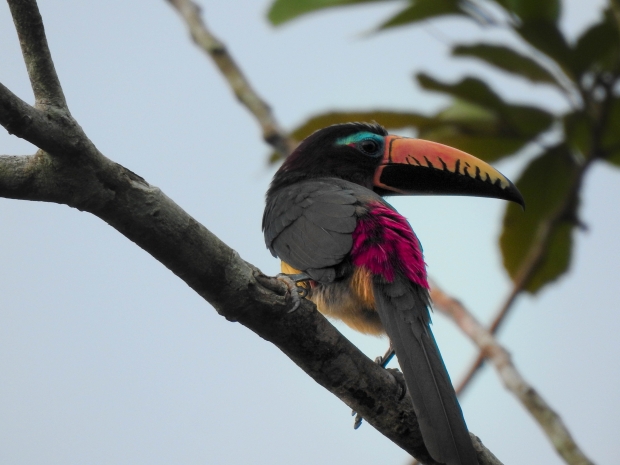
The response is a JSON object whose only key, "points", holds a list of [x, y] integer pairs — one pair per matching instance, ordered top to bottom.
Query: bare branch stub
{"points": [[204, 38], [43, 78], [546, 417]]}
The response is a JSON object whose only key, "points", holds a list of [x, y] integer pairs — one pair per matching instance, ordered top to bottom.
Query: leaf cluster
{"points": [[536, 246]]}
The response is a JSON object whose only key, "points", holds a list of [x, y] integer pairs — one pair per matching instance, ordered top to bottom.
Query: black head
{"points": [[350, 151], [391, 165]]}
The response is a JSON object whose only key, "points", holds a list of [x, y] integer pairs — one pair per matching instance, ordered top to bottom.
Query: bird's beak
{"points": [[415, 166]]}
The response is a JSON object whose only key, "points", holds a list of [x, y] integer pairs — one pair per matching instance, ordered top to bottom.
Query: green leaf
{"points": [[424, 9], [528, 10], [282, 11], [546, 37], [598, 48], [506, 59], [469, 89], [471, 117], [388, 119], [518, 120], [528, 121], [473, 129], [578, 132], [610, 139], [486, 147], [614, 158], [545, 185]]}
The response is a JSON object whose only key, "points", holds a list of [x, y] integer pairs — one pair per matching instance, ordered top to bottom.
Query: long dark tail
{"points": [[403, 309]]}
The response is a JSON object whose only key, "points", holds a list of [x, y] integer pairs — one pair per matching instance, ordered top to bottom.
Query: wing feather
{"points": [[309, 225]]}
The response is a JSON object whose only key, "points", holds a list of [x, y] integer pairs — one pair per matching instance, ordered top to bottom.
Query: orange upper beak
{"points": [[415, 166]]}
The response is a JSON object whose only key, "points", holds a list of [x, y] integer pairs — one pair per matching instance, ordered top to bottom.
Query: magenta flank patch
{"points": [[384, 243]]}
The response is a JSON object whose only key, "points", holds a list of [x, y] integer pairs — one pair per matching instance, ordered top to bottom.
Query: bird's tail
{"points": [[404, 311]]}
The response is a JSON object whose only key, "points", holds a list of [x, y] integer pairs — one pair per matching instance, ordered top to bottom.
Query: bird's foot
{"points": [[295, 291], [385, 358], [400, 380], [358, 419]]}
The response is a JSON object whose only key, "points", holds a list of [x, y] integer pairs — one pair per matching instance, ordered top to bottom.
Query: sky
{"points": [[106, 357]]}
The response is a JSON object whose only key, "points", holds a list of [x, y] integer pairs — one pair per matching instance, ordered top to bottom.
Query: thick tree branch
{"points": [[43, 79], [272, 133], [68, 169], [237, 290], [549, 420]]}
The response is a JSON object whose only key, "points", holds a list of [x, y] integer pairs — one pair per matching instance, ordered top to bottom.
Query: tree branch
{"points": [[43, 79], [54, 129], [272, 133], [69, 169], [237, 290], [549, 420]]}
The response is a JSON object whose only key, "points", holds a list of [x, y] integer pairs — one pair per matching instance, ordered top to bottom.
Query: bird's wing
{"points": [[309, 225]]}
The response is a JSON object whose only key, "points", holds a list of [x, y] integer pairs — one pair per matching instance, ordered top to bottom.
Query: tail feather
{"points": [[403, 309]]}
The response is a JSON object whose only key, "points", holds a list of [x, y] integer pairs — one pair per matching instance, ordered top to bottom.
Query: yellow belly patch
{"points": [[351, 300]]}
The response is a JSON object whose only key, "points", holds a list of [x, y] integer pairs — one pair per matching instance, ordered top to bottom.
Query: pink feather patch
{"points": [[384, 242]]}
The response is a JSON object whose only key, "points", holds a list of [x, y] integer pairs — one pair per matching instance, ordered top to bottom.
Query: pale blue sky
{"points": [[107, 358]]}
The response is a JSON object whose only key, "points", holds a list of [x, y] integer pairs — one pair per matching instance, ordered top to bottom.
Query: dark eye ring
{"points": [[369, 146]]}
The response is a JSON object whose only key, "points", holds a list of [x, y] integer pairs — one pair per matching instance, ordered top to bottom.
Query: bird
{"points": [[359, 260]]}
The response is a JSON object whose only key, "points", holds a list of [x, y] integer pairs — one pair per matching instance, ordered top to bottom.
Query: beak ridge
{"points": [[421, 167]]}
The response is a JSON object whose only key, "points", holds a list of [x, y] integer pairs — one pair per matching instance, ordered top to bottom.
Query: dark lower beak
{"points": [[415, 166]]}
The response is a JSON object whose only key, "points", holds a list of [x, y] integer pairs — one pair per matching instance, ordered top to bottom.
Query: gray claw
{"points": [[293, 291], [296, 292], [296, 302], [385, 359], [358, 421]]}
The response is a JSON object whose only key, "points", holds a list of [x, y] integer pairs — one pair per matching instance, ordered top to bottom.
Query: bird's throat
{"points": [[385, 244]]}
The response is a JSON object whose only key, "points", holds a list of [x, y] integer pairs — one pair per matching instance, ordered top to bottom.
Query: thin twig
{"points": [[43, 78], [272, 132], [531, 264], [549, 420]]}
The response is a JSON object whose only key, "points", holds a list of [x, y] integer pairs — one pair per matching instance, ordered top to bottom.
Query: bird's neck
{"points": [[284, 178]]}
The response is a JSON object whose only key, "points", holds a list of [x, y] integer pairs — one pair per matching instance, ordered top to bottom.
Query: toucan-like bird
{"points": [[326, 219]]}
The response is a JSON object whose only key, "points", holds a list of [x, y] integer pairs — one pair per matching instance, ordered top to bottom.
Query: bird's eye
{"points": [[369, 146]]}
